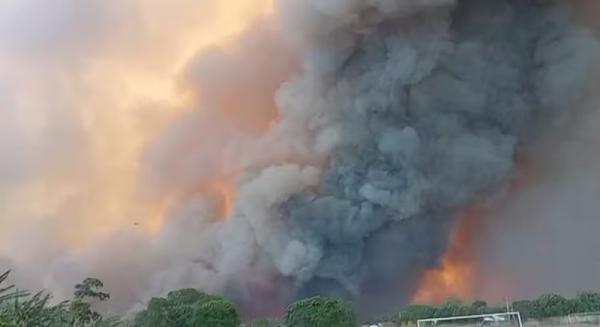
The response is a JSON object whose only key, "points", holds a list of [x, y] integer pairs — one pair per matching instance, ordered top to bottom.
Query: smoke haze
{"points": [[280, 150]]}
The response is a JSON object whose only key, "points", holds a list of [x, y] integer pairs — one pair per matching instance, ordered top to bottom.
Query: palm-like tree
{"points": [[8, 293]]}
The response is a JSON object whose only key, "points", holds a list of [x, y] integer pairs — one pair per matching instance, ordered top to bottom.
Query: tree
{"points": [[90, 289], [7, 293], [87, 293], [189, 296], [586, 302], [181, 305], [551, 305], [17, 308], [175, 310], [320, 312], [215, 313], [156, 314]]}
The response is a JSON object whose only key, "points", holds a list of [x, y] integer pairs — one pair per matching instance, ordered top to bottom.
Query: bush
{"points": [[320, 312], [215, 313]]}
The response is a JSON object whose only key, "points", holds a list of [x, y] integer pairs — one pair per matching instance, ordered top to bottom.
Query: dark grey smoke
{"points": [[432, 109]]}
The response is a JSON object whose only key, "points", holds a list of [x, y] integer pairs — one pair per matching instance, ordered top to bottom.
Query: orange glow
{"points": [[146, 88], [122, 98], [225, 191], [457, 274]]}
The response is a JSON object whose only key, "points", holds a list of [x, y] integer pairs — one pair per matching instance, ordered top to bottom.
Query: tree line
{"points": [[545, 306], [180, 308], [193, 308]]}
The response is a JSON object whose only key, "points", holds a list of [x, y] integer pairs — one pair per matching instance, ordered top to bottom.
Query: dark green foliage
{"points": [[90, 288], [87, 293], [189, 296], [586, 302], [550, 305], [553, 305], [546, 306], [454, 307], [479, 307], [523, 307], [192, 308], [18, 309], [176, 310], [34, 311], [82, 312], [320, 312], [414, 312], [161, 313], [215, 313], [156, 314], [4, 320]]}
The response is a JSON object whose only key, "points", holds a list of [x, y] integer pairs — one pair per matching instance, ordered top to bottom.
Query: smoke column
{"points": [[326, 149], [543, 236]]}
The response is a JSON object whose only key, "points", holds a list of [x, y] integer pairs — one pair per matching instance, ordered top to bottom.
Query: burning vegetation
{"points": [[456, 276]]}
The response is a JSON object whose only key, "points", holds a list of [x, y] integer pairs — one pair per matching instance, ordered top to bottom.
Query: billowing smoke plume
{"points": [[329, 148], [542, 236]]}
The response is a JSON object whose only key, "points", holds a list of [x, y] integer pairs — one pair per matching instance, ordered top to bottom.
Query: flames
{"points": [[129, 97], [456, 276]]}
